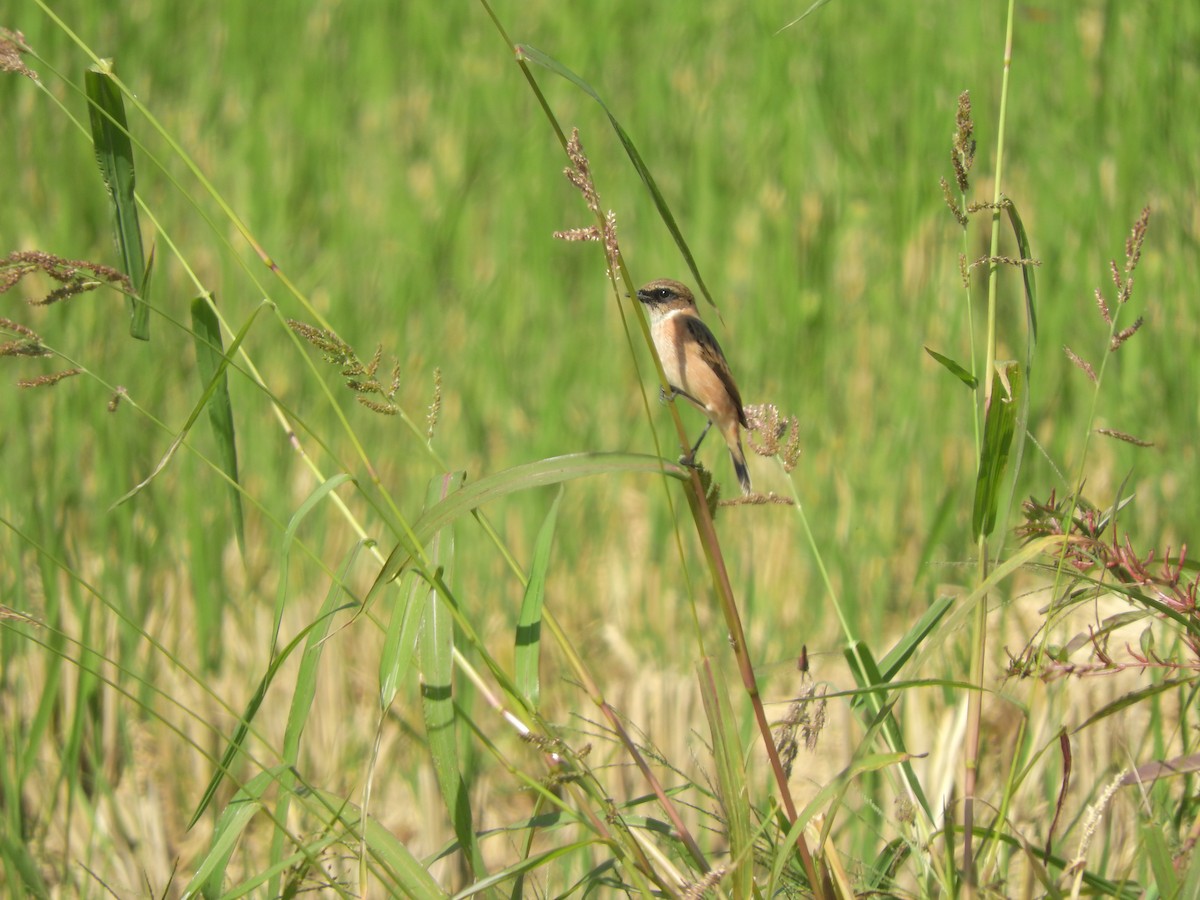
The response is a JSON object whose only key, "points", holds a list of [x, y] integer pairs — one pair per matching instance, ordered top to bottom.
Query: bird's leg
{"points": [[665, 396], [692, 455]]}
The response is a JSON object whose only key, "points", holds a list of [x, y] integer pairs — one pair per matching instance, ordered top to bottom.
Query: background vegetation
{"points": [[391, 160]]}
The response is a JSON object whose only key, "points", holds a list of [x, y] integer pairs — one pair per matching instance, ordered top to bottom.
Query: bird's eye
{"points": [[662, 293]]}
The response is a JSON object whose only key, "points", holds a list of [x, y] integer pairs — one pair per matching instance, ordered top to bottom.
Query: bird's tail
{"points": [[734, 439]]}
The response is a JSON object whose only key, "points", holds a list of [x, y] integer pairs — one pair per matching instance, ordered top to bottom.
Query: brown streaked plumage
{"points": [[695, 367]]}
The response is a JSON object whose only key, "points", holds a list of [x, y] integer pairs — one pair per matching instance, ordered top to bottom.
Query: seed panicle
{"points": [[579, 173]]}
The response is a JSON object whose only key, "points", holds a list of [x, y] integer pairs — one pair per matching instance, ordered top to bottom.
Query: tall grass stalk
{"points": [[980, 627]]}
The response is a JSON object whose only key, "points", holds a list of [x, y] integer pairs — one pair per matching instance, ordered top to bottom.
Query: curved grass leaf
{"points": [[114, 155], [1027, 271], [1030, 285], [210, 363], [955, 369], [209, 391], [1000, 425], [544, 472], [310, 503], [964, 606], [529, 624], [401, 638], [904, 648], [277, 660], [1134, 698], [302, 701], [880, 703], [243, 728], [869, 763], [1188, 764], [1155, 846], [522, 867], [22, 869], [210, 873], [409, 876]]}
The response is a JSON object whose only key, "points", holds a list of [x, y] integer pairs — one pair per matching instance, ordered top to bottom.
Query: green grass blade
{"points": [[816, 4], [543, 59], [114, 154], [1027, 271], [1030, 287], [211, 362], [955, 369], [209, 391], [1007, 397], [555, 470], [310, 503], [964, 607], [529, 624], [400, 641], [904, 648], [867, 674], [437, 690], [1133, 698], [302, 701], [243, 728], [870, 763], [731, 779], [1161, 864], [523, 867], [21, 868], [210, 873], [881, 876], [1191, 877], [413, 880]]}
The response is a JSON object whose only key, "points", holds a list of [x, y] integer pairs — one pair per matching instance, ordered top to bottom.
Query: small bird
{"points": [[695, 366]]}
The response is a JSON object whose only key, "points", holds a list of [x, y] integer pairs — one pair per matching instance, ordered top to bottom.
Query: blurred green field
{"points": [[392, 161]]}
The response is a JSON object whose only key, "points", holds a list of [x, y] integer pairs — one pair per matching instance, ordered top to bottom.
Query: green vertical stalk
{"points": [[979, 648]]}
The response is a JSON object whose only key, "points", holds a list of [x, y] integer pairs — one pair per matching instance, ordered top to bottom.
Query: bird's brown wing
{"points": [[710, 350]]}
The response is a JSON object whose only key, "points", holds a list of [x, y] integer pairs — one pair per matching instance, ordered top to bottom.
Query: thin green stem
{"points": [[979, 644]]}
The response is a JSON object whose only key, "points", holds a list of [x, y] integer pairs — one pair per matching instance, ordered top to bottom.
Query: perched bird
{"points": [[695, 366]]}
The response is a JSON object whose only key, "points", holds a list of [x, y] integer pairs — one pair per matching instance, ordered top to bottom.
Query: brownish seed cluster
{"points": [[12, 46], [962, 157], [579, 173], [76, 276], [1122, 278], [27, 343], [1083, 364], [360, 378], [48, 380], [115, 400], [435, 408], [772, 434], [1123, 436], [806, 715], [705, 885]]}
